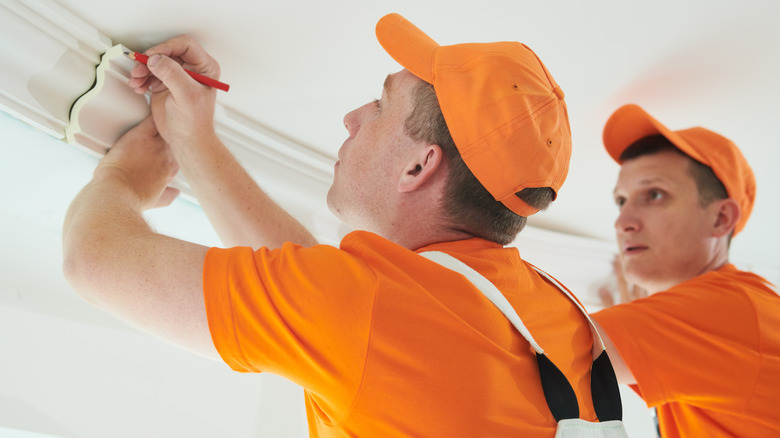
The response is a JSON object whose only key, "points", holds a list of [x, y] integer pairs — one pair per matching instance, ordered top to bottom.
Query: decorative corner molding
{"points": [[110, 108]]}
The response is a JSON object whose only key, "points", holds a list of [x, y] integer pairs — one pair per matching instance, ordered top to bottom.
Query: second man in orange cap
{"points": [[704, 347]]}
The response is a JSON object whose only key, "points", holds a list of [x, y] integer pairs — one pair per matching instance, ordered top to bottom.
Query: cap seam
{"points": [[464, 66], [472, 150]]}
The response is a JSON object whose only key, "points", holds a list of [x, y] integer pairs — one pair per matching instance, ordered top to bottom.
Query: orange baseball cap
{"points": [[504, 111], [631, 123]]}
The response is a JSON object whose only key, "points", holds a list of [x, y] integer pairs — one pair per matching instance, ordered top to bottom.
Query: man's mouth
{"points": [[633, 248]]}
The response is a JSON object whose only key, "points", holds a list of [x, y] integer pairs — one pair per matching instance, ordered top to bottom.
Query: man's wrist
{"points": [[193, 141]]}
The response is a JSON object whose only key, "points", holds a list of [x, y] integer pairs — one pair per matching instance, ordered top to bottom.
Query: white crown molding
{"points": [[52, 63], [40, 87], [236, 130], [574, 260]]}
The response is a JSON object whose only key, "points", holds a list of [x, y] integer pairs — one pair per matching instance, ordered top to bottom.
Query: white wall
{"points": [[68, 369]]}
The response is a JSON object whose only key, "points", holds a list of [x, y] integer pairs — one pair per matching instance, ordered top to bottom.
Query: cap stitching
{"points": [[470, 149]]}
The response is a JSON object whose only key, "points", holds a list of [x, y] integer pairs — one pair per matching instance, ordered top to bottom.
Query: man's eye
{"points": [[378, 104], [655, 195], [620, 201]]}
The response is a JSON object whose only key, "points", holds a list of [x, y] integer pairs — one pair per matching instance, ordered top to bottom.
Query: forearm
{"points": [[183, 110], [240, 211]]}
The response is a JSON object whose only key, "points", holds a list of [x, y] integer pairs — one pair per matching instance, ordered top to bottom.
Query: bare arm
{"points": [[240, 211], [114, 260], [627, 292], [622, 371]]}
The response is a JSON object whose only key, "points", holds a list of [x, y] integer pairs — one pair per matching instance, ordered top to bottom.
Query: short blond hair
{"points": [[467, 204]]}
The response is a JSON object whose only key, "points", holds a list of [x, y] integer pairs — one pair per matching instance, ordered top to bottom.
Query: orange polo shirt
{"points": [[387, 343], [705, 353]]}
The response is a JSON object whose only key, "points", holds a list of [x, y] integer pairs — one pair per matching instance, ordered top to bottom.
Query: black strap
{"points": [[604, 389], [557, 390], [562, 400]]}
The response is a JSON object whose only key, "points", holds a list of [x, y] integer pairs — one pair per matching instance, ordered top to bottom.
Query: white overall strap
{"points": [[487, 288], [500, 301], [597, 347], [558, 392]]}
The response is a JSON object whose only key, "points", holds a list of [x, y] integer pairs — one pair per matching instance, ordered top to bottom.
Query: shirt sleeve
{"points": [[301, 313], [695, 343]]}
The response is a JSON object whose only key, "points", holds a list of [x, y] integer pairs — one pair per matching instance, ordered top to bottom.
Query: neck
{"points": [[419, 221], [416, 240], [719, 257]]}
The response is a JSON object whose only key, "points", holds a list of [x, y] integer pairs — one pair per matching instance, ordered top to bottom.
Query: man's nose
{"points": [[353, 120], [627, 220]]}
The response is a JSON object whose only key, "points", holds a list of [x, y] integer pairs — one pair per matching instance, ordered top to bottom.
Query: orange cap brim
{"points": [[408, 45], [631, 123]]}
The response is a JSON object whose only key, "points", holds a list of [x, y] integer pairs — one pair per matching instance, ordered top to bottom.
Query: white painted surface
{"points": [[295, 69]]}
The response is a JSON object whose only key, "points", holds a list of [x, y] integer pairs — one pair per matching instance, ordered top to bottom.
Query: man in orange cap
{"points": [[384, 341], [704, 346]]}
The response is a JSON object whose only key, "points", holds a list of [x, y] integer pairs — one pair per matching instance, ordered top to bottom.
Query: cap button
{"points": [[558, 92]]}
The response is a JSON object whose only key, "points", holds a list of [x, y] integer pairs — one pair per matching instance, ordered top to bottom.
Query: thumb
{"points": [[171, 74]]}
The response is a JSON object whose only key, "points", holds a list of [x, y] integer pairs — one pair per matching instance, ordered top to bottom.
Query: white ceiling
{"points": [[297, 68]]}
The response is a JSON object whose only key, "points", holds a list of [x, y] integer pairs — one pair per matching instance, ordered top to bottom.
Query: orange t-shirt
{"points": [[387, 343], [705, 353]]}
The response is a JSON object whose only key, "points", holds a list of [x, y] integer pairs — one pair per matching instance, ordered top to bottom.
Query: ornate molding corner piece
{"points": [[40, 85], [109, 109], [97, 120]]}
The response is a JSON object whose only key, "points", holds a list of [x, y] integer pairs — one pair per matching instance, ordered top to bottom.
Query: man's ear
{"points": [[421, 168], [727, 214]]}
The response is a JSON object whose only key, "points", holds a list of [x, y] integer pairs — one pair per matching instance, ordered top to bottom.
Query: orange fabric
{"points": [[505, 112], [631, 123], [387, 343], [705, 353]]}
